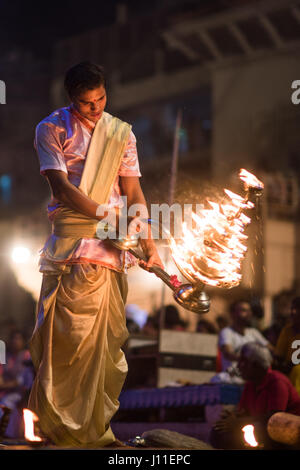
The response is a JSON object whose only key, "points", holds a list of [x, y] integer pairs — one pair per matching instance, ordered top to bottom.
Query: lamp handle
{"points": [[157, 270]]}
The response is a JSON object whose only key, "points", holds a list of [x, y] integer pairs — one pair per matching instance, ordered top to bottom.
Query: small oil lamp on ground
{"points": [[30, 420], [250, 441]]}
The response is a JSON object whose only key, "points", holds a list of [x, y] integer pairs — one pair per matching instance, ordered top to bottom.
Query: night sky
{"points": [[36, 25]]}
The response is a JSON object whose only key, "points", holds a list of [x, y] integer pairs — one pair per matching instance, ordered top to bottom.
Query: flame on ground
{"points": [[212, 250], [29, 419], [249, 437]]}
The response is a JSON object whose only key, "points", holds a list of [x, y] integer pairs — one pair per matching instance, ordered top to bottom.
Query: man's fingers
{"points": [[150, 263], [143, 264]]}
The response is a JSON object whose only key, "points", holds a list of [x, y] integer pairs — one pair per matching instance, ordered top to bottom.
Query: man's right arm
{"points": [[70, 196]]}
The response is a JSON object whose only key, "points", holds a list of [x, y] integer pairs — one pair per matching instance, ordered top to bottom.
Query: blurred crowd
{"points": [[140, 322], [234, 331], [280, 339], [265, 363]]}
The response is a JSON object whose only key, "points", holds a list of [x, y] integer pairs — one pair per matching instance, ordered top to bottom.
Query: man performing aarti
{"points": [[89, 159]]}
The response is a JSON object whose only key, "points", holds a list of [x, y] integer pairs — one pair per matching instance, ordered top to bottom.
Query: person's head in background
{"points": [[241, 313], [295, 313], [173, 320], [222, 322], [151, 326], [16, 342], [254, 362]]}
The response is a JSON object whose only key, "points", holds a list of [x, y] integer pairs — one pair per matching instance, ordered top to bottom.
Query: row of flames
{"points": [[211, 252], [30, 419]]}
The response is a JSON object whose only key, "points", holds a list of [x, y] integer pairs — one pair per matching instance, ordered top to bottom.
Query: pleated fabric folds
{"points": [[76, 351]]}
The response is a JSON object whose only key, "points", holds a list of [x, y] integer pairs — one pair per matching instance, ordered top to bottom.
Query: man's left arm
{"points": [[130, 187]]}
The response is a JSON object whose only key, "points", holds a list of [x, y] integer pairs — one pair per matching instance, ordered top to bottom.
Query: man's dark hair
{"points": [[82, 77]]}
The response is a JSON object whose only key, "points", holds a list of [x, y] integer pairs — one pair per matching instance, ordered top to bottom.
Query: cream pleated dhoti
{"points": [[76, 351]]}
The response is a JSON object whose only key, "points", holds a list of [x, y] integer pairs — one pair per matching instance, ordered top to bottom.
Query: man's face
{"points": [[91, 103], [243, 312]]}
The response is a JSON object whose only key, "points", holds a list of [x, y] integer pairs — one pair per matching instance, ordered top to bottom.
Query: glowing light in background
{"points": [[20, 254], [23, 258]]}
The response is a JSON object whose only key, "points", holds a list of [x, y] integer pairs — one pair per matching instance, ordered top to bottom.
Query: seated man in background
{"points": [[233, 337], [285, 349], [266, 392]]}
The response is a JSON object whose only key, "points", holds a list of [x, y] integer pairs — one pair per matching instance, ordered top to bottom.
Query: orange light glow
{"points": [[29, 419], [249, 437]]}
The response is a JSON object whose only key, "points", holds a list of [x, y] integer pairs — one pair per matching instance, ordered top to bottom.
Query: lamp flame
{"points": [[250, 181], [212, 251], [29, 419], [249, 437]]}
